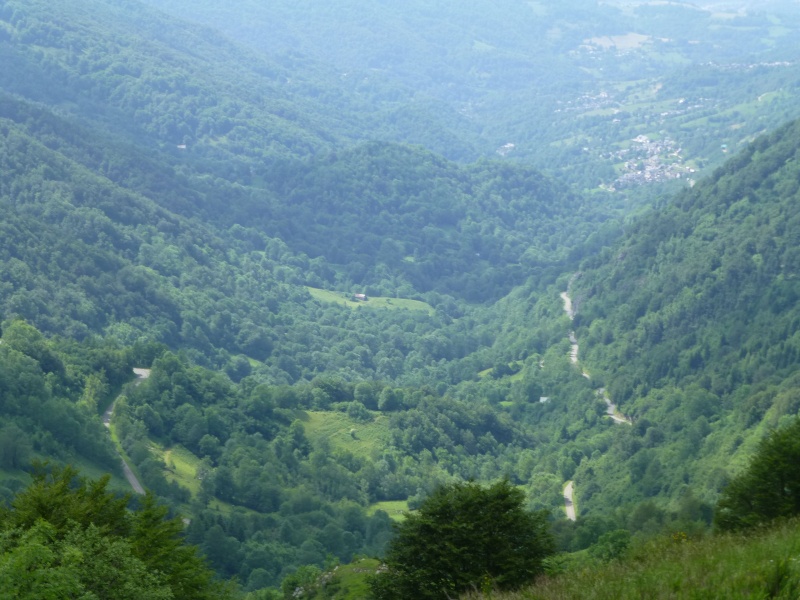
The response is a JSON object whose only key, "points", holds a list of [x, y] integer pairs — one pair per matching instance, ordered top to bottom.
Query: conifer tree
{"points": [[69, 537]]}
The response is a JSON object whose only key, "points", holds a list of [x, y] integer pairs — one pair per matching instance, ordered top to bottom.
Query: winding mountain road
{"points": [[141, 375], [611, 408]]}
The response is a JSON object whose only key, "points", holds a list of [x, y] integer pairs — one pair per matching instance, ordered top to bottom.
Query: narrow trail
{"points": [[141, 375], [611, 408]]}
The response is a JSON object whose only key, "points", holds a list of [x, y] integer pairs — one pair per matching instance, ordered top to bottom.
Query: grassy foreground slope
{"points": [[766, 565], [729, 567]]}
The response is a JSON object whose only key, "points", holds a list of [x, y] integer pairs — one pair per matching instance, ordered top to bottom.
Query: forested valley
{"points": [[358, 254]]}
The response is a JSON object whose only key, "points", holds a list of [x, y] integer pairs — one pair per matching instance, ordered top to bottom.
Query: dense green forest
{"points": [[554, 247], [122, 254]]}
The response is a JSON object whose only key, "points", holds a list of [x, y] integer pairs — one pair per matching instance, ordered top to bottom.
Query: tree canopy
{"points": [[770, 486], [465, 535], [69, 537]]}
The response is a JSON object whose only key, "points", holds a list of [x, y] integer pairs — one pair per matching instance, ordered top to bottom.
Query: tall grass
{"points": [[762, 565]]}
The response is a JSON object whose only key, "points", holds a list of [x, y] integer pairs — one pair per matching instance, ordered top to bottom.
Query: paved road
{"points": [[568, 305], [141, 375], [611, 408], [137, 487], [569, 503]]}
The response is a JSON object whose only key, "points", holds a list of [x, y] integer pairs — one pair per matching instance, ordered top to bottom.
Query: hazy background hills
{"points": [[523, 72]]}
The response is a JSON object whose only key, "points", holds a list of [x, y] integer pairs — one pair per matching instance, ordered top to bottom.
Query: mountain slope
{"points": [[163, 83], [383, 212], [102, 237], [242, 251], [703, 278], [692, 324]]}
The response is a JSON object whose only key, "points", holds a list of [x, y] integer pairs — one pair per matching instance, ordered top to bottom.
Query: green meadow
{"points": [[371, 302], [343, 433]]}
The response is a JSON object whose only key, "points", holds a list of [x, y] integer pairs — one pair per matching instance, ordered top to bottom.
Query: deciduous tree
{"points": [[769, 488], [465, 535]]}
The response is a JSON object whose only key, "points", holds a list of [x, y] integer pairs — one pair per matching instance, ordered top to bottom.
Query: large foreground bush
{"points": [[465, 536]]}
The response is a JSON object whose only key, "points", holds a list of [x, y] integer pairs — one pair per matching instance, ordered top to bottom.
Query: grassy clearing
{"points": [[628, 41], [601, 112], [570, 141], [333, 297], [373, 302], [398, 304], [253, 362], [517, 364], [364, 440], [181, 466], [396, 509], [733, 567], [350, 582]]}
